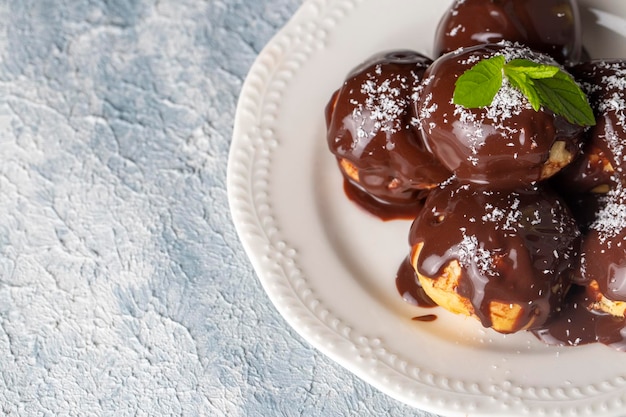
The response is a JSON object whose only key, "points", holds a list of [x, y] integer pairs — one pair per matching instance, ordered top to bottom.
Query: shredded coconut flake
{"points": [[455, 30], [612, 101], [385, 103], [611, 218], [504, 219], [470, 253]]}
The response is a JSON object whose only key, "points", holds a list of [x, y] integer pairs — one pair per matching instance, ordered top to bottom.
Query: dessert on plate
{"points": [[370, 130], [509, 155], [503, 257]]}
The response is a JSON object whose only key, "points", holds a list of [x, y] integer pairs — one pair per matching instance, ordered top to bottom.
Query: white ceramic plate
{"points": [[329, 267]]}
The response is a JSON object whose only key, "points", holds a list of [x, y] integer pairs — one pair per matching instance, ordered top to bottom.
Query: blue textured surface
{"points": [[124, 290]]}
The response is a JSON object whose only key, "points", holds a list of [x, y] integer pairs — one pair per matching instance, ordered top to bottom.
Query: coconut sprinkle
{"points": [[455, 30], [609, 99], [386, 102], [611, 218], [504, 219], [471, 253]]}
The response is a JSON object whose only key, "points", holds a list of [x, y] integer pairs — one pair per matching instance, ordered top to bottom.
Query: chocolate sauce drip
{"points": [[549, 26], [382, 209], [409, 287], [425, 318], [572, 324]]}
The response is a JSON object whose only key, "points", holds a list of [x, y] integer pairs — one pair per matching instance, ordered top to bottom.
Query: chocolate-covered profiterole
{"points": [[549, 26], [370, 131], [506, 144], [602, 163], [601, 166], [503, 257], [603, 258], [604, 263]]}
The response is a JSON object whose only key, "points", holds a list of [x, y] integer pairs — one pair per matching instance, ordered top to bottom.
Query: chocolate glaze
{"points": [[549, 26], [369, 123], [504, 145], [602, 164], [601, 169], [588, 173], [602, 193], [583, 206], [383, 209], [512, 247], [603, 257], [409, 287], [425, 318], [571, 324], [576, 325]]}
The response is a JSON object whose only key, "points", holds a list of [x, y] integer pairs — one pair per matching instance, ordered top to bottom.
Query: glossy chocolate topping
{"points": [[549, 26], [370, 125], [506, 144], [603, 161], [601, 169], [593, 171], [384, 210], [512, 247], [604, 259], [409, 287], [576, 325]]}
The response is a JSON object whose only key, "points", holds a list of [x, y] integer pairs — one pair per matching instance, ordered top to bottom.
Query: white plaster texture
{"points": [[124, 290]]}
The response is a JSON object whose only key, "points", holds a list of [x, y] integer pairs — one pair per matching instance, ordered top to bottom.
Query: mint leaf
{"points": [[531, 69], [522, 72], [479, 85], [543, 85], [562, 95]]}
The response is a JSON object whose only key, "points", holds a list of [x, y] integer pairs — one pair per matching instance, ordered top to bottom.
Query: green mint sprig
{"points": [[543, 85]]}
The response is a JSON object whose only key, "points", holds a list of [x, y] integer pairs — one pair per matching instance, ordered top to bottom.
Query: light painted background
{"points": [[124, 290]]}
